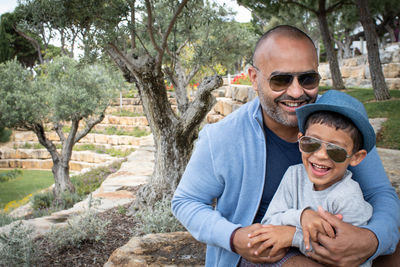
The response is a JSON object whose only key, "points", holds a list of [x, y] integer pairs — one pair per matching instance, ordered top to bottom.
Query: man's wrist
{"points": [[231, 240]]}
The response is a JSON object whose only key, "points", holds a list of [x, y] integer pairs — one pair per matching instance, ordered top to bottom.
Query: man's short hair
{"points": [[283, 30], [339, 122]]}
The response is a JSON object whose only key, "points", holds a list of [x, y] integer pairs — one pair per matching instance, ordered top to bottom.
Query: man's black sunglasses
{"points": [[281, 81]]}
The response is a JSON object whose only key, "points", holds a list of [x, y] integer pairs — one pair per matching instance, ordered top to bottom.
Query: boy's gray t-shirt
{"points": [[296, 193]]}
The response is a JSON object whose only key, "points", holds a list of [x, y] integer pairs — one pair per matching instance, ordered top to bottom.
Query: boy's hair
{"points": [[339, 122]]}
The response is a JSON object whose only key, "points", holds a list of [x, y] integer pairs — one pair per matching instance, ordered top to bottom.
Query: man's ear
{"points": [[253, 77], [300, 134], [358, 157]]}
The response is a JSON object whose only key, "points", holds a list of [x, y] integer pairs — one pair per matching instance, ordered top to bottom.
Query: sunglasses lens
{"points": [[309, 80], [280, 82], [308, 144], [337, 154]]}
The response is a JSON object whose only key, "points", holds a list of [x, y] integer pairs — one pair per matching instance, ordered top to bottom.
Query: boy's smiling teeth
{"points": [[319, 166]]}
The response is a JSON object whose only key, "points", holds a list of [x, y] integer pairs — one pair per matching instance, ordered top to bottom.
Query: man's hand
{"points": [[312, 224], [277, 238], [241, 241], [351, 247]]}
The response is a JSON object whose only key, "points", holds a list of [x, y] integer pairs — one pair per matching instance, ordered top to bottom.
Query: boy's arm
{"points": [[378, 191], [282, 209]]}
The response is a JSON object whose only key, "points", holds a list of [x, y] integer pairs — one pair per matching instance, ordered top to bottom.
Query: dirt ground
{"points": [[118, 233]]}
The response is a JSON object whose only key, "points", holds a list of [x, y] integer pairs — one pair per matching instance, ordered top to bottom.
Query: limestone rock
{"points": [[165, 249]]}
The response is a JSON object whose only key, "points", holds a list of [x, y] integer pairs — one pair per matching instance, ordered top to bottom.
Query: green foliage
{"points": [[12, 45], [63, 90], [5, 135], [9, 175], [91, 180], [45, 203], [157, 219], [87, 227], [17, 247]]}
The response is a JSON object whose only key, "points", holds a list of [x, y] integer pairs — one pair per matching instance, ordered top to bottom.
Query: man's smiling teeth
{"points": [[291, 104], [319, 166]]}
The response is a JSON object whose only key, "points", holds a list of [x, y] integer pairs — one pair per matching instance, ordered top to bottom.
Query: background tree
{"points": [[319, 8], [12, 45], [378, 80], [62, 92]]}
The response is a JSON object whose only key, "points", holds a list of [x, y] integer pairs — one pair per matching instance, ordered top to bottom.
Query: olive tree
{"points": [[61, 93]]}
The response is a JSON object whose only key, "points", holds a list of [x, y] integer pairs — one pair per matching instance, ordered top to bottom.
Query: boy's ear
{"points": [[358, 157]]}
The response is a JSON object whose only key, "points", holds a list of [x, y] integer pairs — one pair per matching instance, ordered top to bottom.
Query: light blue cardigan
{"points": [[228, 164]]}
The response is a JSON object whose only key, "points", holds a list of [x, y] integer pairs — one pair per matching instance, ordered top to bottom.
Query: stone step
{"points": [[130, 108], [136, 121], [22, 136], [42, 154], [45, 164]]}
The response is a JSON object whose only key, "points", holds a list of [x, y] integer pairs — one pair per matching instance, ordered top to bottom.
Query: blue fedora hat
{"points": [[346, 105]]}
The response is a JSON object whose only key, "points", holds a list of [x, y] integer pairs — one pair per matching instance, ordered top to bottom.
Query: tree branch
{"points": [[300, 5], [336, 5], [150, 27], [166, 34], [202, 103], [89, 126], [58, 128], [38, 129]]}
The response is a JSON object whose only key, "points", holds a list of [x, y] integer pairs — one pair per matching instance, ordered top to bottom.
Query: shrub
{"points": [[5, 135], [9, 175], [42, 200], [5, 219], [157, 219], [87, 227], [17, 247]]}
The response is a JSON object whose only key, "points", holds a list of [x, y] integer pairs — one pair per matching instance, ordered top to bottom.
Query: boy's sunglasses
{"points": [[280, 82], [309, 144]]}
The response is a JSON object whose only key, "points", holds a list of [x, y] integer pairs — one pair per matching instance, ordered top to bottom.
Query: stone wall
{"points": [[355, 71]]}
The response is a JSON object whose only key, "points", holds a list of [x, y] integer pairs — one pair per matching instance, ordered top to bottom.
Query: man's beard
{"points": [[275, 112]]}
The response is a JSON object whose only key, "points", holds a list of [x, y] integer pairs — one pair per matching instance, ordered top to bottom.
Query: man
{"points": [[241, 160]]}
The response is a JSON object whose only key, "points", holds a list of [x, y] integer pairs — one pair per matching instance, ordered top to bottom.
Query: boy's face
{"points": [[321, 169]]}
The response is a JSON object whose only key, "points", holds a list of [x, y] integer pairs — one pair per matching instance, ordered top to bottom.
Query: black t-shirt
{"points": [[280, 155]]}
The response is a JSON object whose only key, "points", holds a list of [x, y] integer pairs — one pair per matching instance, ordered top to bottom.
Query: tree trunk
{"points": [[337, 80], [378, 80], [173, 136], [62, 181]]}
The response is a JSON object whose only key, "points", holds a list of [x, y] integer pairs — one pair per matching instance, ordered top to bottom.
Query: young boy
{"points": [[334, 133]]}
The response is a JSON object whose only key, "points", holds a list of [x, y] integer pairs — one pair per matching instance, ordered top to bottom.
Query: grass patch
{"points": [[127, 113], [137, 132], [389, 135], [113, 152], [28, 182]]}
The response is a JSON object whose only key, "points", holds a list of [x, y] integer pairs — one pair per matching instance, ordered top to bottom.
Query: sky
{"points": [[243, 14]]}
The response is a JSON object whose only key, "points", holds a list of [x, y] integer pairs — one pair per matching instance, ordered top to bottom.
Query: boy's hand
{"points": [[312, 224], [276, 237]]}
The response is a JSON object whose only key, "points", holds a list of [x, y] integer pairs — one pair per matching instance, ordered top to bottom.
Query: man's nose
{"points": [[295, 90]]}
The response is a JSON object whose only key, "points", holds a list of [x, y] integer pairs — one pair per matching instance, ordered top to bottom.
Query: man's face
{"points": [[283, 55]]}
